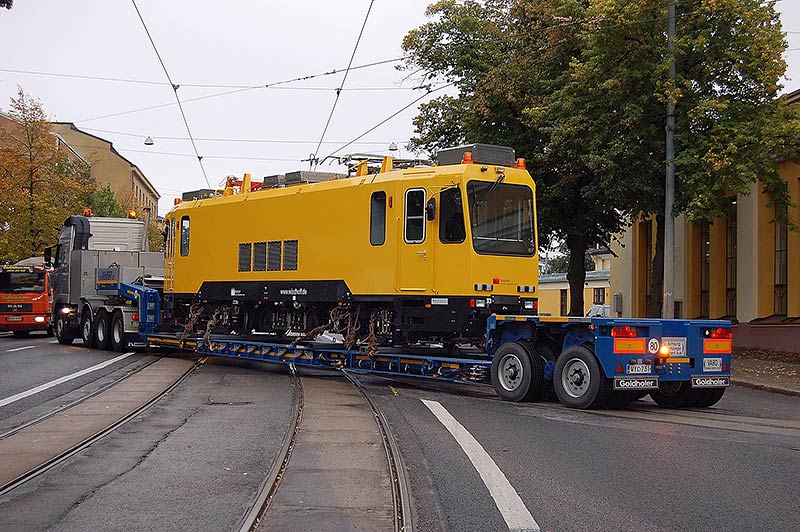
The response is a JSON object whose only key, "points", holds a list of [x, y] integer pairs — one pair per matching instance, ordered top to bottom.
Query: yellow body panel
{"points": [[331, 222]]}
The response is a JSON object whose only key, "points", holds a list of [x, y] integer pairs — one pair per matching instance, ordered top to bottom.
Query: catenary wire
{"points": [[175, 90], [314, 161]]}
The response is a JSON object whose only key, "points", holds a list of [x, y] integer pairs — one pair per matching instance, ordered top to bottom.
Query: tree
{"points": [[6, 3], [579, 88], [42, 183], [103, 202]]}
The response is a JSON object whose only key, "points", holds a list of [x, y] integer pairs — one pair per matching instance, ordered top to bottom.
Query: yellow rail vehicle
{"points": [[420, 254]]}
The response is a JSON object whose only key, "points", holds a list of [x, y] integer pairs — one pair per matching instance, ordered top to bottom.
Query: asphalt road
{"points": [[195, 460]]}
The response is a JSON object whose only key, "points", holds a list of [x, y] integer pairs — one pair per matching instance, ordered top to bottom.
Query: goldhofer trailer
{"points": [[584, 362]]}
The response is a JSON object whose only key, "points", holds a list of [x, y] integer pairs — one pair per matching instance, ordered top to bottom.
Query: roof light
{"points": [[467, 158], [520, 163], [177, 201], [87, 212], [131, 214]]}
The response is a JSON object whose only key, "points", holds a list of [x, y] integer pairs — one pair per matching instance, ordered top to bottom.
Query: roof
{"points": [[793, 96], [113, 150], [596, 275]]}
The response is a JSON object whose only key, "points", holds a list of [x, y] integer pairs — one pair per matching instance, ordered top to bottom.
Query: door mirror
{"points": [[430, 209]]}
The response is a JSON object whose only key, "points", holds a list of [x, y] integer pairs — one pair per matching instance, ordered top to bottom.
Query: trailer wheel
{"points": [[87, 328], [102, 329], [63, 334], [118, 336], [516, 374], [579, 380], [673, 394], [705, 397], [622, 398]]}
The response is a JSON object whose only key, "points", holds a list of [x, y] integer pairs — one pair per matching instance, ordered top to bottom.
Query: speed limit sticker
{"points": [[653, 346]]}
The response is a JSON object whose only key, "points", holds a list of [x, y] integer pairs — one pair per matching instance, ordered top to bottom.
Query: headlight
{"points": [[480, 303], [528, 305], [39, 319]]}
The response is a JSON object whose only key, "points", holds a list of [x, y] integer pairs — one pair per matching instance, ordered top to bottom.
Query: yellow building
{"points": [[108, 166], [744, 267], [554, 292]]}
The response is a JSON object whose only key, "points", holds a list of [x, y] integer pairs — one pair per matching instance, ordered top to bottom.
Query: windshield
{"points": [[501, 217], [22, 282]]}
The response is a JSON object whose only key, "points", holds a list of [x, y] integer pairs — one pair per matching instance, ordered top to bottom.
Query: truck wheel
{"points": [[87, 328], [102, 329], [63, 334], [118, 337], [516, 374], [579, 380], [673, 394], [706, 397]]}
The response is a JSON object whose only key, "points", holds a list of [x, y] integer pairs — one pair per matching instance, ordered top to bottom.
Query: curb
{"points": [[765, 387]]}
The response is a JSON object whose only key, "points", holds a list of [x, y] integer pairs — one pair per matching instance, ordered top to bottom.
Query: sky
{"points": [[233, 45]]}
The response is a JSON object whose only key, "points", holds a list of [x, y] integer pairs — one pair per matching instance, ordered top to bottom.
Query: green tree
{"points": [[6, 3], [579, 87], [43, 183], [103, 202]]}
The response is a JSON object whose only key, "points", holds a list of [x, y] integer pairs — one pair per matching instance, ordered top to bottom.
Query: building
{"points": [[108, 166], [744, 267], [554, 292]]}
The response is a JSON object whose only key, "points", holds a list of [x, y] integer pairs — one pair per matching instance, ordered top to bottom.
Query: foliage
{"points": [[8, 4], [579, 88], [43, 182], [103, 202], [560, 264]]}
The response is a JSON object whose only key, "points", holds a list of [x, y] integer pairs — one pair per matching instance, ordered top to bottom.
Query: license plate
{"points": [[13, 318], [677, 346], [712, 364], [638, 368], [711, 382], [636, 383]]}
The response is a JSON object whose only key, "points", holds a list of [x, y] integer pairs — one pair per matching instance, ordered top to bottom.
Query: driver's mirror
{"points": [[430, 209]]}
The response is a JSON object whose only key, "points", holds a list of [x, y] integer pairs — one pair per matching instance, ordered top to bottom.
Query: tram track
{"points": [[49, 463]]}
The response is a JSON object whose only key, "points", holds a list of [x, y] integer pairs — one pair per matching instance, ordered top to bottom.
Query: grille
{"points": [[290, 254], [244, 256], [259, 256], [274, 256]]}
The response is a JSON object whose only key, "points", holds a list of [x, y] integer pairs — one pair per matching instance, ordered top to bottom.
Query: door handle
{"points": [[424, 254]]}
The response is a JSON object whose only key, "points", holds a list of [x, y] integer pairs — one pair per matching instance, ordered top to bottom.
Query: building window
{"points": [[377, 219], [647, 227], [184, 236], [730, 259], [705, 265], [781, 265], [599, 296], [563, 302]]}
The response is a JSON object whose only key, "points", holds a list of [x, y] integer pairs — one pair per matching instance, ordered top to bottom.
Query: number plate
{"points": [[13, 318], [677, 346], [712, 364], [639, 368]]}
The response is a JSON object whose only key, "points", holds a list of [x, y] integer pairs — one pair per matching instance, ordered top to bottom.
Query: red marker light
{"points": [[135, 316], [624, 331], [721, 334]]}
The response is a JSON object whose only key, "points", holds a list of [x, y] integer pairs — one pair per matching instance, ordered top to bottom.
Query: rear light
{"points": [[471, 303], [480, 303], [530, 304], [536, 304], [135, 316], [624, 331], [720, 334], [664, 350]]}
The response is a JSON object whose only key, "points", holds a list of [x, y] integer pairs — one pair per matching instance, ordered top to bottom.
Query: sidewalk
{"points": [[767, 370]]}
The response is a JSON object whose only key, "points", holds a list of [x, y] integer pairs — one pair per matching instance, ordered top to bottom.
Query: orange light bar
{"points": [[467, 159], [520, 163], [177, 201], [87, 212], [131, 214]]}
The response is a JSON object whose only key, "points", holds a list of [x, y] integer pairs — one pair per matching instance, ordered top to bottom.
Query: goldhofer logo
{"points": [[710, 382], [635, 384]]}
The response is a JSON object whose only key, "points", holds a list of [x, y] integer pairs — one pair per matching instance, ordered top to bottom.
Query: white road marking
{"points": [[53, 341], [20, 348], [61, 380], [508, 501]]}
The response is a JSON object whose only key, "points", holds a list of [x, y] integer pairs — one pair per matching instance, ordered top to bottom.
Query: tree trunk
{"points": [[576, 273], [657, 280]]}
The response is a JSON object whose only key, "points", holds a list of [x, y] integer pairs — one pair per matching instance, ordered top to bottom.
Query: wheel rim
{"points": [[60, 326], [87, 329], [101, 330], [117, 332], [510, 372], [575, 378]]}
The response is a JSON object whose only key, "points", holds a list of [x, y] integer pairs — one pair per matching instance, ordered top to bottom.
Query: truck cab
{"points": [[25, 299]]}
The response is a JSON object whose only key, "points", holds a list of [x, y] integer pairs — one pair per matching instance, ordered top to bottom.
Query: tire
{"points": [[87, 328], [102, 330], [63, 333], [21, 334], [117, 335], [547, 355], [516, 374], [579, 380], [675, 394], [706, 397], [621, 399]]}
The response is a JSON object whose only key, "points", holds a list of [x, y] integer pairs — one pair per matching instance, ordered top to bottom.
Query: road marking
{"points": [[53, 341], [20, 348], [61, 380], [395, 392], [508, 501]]}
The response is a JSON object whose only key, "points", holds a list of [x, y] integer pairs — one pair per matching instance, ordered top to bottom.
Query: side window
{"points": [[415, 216], [451, 217], [377, 219], [184, 236]]}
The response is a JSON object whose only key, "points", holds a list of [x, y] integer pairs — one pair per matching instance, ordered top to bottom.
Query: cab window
{"points": [[415, 216], [451, 217], [377, 219], [184, 236]]}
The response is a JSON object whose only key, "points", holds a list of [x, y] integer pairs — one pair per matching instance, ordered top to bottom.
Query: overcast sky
{"points": [[235, 43]]}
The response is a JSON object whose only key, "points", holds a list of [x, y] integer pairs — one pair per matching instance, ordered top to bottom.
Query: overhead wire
{"points": [[175, 90], [313, 159]]}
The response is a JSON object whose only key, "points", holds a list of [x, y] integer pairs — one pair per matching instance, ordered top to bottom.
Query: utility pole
{"points": [[668, 309]]}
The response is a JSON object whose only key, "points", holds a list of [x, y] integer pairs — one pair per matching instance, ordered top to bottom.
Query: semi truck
{"points": [[427, 272]]}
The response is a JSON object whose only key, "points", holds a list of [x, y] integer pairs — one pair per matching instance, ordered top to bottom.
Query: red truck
{"points": [[25, 300]]}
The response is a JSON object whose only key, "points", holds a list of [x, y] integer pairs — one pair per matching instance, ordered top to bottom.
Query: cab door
{"points": [[414, 255]]}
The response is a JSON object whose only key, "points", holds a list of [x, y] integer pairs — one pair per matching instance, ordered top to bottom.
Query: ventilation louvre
{"points": [[245, 250], [290, 255], [260, 256], [274, 256]]}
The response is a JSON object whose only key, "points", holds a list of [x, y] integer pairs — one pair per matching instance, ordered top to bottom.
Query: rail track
{"points": [[74, 449]]}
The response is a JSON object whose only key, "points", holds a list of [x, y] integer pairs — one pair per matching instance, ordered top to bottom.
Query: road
{"points": [[196, 459]]}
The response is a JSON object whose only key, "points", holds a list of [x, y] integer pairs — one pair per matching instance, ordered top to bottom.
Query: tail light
{"points": [[135, 316], [624, 331], [720, 334]]}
